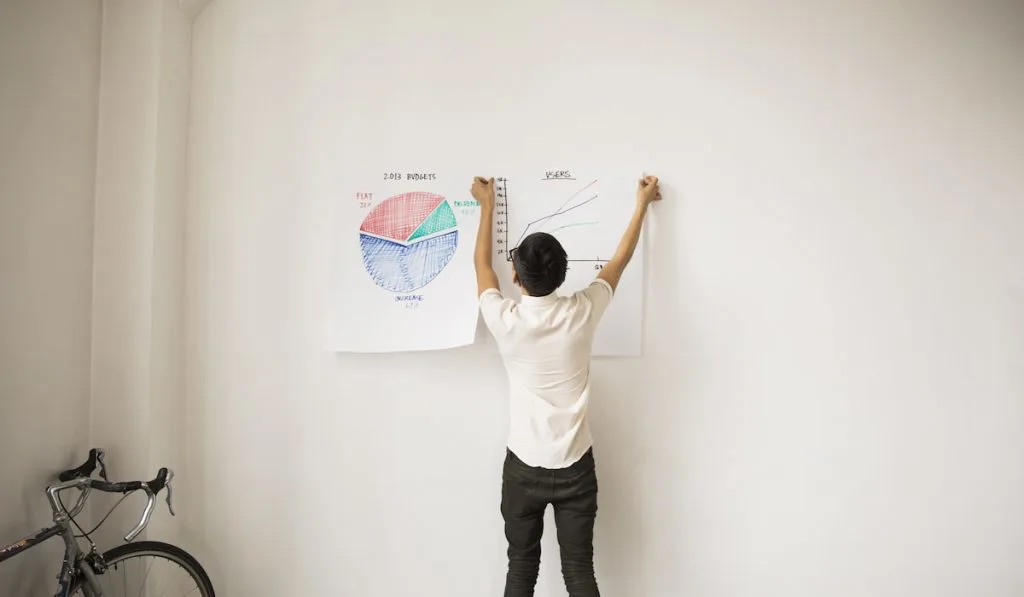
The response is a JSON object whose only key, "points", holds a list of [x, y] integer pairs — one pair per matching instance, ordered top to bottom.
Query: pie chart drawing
{"points": [[407, 240]]}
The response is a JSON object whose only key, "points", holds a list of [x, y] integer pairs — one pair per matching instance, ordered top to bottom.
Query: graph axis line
{"points": [[503, 186]]}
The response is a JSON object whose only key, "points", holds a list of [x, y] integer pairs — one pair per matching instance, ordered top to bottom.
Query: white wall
{"points": [[49, 74], [92, 179], [137, 372], [830, 401]]}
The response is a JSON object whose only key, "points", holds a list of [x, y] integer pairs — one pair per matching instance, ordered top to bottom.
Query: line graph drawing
{"points": [[570, 204], [561, 208], [539, 223], [573, 225], [407, 240]]}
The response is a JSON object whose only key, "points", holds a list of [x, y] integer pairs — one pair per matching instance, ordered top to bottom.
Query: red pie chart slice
{"points": [[399, 216]]}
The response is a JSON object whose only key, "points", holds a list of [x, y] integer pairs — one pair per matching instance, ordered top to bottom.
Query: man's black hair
{"points": [[540, 263]]}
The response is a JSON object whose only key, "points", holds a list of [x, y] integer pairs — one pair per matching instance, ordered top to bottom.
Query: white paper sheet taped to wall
{"points": [[587, 211], [402, 276]]}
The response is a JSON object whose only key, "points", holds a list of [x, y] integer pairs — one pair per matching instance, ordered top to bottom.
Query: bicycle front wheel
{"points": [[150, 568]]}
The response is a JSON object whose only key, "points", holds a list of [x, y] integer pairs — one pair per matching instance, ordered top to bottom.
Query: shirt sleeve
{"points": [[599, 294], [493, 307]]}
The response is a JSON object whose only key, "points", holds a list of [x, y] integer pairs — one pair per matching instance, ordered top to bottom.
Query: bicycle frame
{"points": [[28, 542], [72, 552]]}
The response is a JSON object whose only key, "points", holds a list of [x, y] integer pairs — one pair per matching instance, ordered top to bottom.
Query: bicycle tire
{"points": [[159, 549]]}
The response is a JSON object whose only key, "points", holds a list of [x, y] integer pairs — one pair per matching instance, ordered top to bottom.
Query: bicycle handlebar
{"points": [[86, 470], [81, 477]]}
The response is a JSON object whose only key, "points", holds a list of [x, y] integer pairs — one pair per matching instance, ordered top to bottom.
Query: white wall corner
{"points": [[193, 7]]}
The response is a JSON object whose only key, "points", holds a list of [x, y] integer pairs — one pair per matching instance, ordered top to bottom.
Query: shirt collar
{"points": [[538, 300]]}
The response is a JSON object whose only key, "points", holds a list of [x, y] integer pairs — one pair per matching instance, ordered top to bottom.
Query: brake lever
{"points": [[103, 466], [169, 498]]}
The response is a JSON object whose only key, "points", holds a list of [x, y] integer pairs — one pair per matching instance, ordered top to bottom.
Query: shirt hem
{"points": [[564, 464]]}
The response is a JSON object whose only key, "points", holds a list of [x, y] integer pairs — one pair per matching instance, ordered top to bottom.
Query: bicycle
{"points": [[90, 573]]}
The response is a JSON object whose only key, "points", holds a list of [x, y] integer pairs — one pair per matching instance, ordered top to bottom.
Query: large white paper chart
{"points": [[587, 211], [403, 276]]}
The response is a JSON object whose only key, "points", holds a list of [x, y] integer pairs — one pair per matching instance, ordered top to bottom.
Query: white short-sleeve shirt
{"points": [[545, 343]]}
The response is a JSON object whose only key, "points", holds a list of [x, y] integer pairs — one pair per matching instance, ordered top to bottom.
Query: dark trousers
{"points": [[526, 492]]}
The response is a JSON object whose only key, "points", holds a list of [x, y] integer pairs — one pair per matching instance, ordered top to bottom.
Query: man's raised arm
{"points": [[483, 192], [646, 193]]}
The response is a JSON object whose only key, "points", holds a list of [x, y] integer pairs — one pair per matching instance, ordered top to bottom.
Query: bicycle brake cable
{"points": [[95, 528]]}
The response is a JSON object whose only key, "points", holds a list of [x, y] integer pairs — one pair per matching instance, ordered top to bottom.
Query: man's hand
{"points": [[483, 191], [647, 191]]}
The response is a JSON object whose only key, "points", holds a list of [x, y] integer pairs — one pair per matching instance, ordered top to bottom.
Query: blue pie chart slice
{"points": [[430, 237]]}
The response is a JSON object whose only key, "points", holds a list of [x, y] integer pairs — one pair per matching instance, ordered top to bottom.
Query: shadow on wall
{"points": [[661, 415], [622, 417], [635, 423], [616, 424], [617, 427]]}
